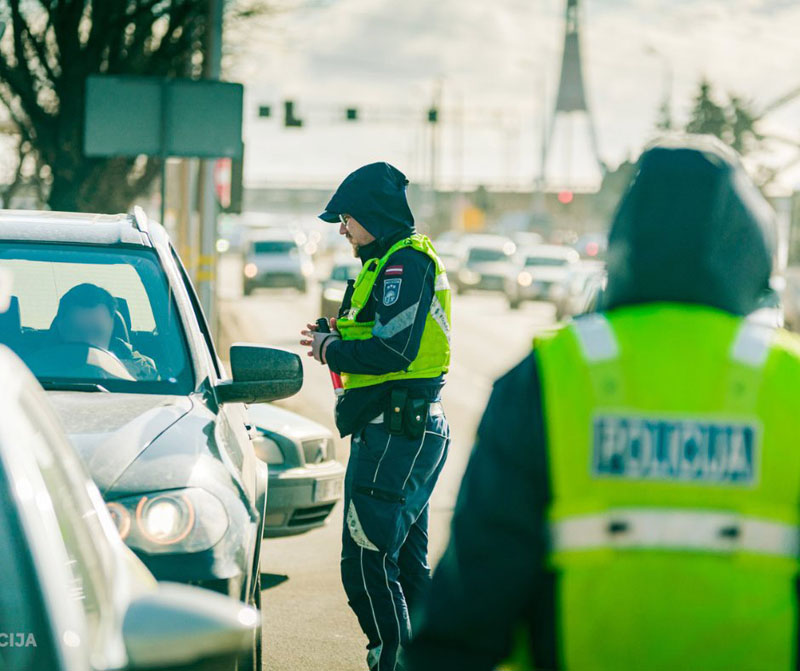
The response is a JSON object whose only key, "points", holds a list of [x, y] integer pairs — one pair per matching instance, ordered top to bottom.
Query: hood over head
{"points": [[375, 195], [692, 228]]}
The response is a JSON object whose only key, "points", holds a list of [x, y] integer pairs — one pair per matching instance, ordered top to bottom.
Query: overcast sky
{"points": [[497, 62]]}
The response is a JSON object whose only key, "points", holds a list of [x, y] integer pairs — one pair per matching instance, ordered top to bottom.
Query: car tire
{"points": [[247, 290], [513, 303]]}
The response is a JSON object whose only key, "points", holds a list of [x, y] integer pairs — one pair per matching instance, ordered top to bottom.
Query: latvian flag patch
{"points": [[393, 271]]}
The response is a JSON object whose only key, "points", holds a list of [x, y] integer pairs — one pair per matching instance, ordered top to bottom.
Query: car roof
{"points": [[76, 227]]}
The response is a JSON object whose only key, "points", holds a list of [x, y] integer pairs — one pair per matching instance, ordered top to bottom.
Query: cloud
{"points": [[501, 55]]}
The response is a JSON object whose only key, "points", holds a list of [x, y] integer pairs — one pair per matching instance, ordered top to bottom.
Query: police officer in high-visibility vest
{"points": [[391, 345], [633, 499]]}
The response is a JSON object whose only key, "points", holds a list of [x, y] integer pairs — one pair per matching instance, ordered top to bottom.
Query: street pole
{"points": [[207, 261]]}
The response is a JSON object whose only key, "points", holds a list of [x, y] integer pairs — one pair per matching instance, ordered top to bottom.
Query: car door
{"points": [[231, 433]]}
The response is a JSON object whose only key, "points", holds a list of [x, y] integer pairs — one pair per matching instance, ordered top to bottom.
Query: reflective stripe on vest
{"points": [[596, 338], [675, 529]]}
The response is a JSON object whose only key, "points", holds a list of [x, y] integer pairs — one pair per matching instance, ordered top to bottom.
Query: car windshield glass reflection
{"points": [[274, 247], [486, 255], [545, 261], [94, 319]]}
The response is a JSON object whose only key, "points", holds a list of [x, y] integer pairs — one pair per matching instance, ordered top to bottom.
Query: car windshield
{"points": [[274, 247], [485, 255], [545, 261], [344, 273], [90, 318]]}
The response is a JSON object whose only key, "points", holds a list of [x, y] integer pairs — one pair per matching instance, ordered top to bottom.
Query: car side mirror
{"points": [[261, 374], [177, 625]]}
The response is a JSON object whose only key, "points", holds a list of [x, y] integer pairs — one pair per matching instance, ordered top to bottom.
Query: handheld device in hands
{"points": [[336, 379]]}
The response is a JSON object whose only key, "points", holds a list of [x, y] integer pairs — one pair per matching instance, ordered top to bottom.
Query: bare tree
{"points": [[51, 47]]}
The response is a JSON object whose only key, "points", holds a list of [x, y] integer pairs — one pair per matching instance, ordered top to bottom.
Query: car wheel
{"points": [[248, 290], [513, 303]]}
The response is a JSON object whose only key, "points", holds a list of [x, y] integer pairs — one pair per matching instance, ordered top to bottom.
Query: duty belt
{"points": [[435, 409], [675, 529]]}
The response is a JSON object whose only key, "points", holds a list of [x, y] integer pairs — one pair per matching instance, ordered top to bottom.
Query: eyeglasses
{"points": [[344, 219]]}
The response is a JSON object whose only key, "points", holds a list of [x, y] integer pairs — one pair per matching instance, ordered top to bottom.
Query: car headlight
{"points": [[250, 270], [468, 276], [525, 279], [268, 450], [316, 450], [179, 520]]}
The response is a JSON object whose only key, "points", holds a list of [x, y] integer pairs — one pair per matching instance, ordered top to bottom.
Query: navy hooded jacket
{"points": [[375, 196]]}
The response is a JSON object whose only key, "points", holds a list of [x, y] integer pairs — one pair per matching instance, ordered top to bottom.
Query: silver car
{"points": [[274, 259], [536, 271], [305, 480], [74, 597]]}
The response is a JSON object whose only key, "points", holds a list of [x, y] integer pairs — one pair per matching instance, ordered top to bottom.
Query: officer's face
{"points": [[356, 234]]}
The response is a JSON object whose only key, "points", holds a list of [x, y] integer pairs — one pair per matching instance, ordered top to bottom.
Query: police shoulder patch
{"points": [[391, 291]]}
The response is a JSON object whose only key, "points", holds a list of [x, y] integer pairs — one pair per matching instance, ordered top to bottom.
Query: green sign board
{"points": [[129, 116]]}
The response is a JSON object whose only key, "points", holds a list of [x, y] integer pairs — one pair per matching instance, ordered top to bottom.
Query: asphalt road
{"points": [[307, 623]]}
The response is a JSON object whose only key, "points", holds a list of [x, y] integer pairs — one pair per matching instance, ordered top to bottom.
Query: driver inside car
{"points": [[86, 316]]}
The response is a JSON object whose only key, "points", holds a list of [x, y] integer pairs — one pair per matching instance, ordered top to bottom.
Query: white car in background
{"points": [[274, 258], [483, 263], [536, 270], [569, 295], [305, 480]]}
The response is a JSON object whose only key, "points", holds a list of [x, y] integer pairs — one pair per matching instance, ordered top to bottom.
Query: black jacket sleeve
{"points": [[401, 297], [491, 575]]}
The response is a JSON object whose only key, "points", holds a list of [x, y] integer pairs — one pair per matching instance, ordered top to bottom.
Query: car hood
{"points": [[546, 274], [287, 423], [111, 430]]}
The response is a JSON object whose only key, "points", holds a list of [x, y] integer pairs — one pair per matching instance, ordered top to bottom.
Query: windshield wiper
{"points": [[66, 385]]}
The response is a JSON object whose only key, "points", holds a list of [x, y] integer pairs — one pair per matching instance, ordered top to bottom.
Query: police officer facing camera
{"points": [[391, 345], [632, 499]]}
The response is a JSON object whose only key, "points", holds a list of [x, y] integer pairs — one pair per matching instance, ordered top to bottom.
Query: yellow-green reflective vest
{"points": [[433, 358], [674, 459]]}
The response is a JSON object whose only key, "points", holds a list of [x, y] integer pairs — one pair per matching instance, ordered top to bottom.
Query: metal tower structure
{"points": [[571, 99]]}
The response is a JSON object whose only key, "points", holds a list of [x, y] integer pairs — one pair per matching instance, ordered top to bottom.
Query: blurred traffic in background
{"points": [[222, 128]]}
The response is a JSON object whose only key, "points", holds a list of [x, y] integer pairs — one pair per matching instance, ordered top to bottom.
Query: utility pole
{"points": [[434, 114], [207, 262]]}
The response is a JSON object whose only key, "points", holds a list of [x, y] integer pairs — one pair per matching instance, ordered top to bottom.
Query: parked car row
{"points": [[524, 269], [118, 341]]}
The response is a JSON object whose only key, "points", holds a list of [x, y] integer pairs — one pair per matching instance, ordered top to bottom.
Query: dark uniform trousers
{"points": [[385, 569]]}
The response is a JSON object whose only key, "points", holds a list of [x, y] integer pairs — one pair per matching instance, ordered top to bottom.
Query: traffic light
{"points": [[351, 114], [289, 119], [565, 197]]}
